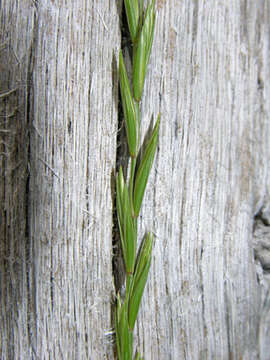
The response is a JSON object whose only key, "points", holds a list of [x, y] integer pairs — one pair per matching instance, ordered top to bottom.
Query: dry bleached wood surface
{"points": [[207, 202], [56, 295]]}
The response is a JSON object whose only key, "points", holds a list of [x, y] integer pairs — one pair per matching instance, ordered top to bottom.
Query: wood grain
{"points": [[207, 77], [208, 197], [66, 284]]}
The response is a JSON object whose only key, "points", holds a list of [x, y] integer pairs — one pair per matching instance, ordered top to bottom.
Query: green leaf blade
{"points": [[132, 11], [148, 28], [142, 51], [130, 111], [144, 169], [126, 223], [140, 277], [124, 337]]}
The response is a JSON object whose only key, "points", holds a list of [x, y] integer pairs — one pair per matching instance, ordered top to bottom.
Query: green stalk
{"points": [[131, 180], [129, 198]]}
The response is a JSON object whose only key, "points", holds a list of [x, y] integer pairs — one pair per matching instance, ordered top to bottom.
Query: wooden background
{"points": [[208, 200]]}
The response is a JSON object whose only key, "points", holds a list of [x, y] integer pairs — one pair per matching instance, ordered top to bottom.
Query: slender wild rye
{"points": [[129, 194]]}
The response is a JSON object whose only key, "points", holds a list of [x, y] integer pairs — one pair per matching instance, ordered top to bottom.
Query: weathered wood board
{"points": [[208, 78], [207, 201], [56, 303]]}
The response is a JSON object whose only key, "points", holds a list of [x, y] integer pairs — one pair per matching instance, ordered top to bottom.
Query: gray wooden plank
{"points": [[207, 200], [67, 290], [203, 298]]}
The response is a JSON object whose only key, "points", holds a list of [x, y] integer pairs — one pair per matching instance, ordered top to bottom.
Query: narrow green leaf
{"points": [[132, 11], [148, 27], [142, 51], [130, 111], [138, 125], [144, 169], [126, 224], [143, 257], [140, 277], [135, 300], [124, 337]]}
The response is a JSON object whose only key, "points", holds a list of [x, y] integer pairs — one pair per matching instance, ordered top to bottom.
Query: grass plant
{"points": [[130, 193]]}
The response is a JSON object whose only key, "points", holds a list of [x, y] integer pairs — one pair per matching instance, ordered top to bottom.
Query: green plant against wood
{"points": [[129, 194]]}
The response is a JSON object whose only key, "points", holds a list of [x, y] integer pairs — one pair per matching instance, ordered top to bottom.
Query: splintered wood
{"points": [[208, 292]]}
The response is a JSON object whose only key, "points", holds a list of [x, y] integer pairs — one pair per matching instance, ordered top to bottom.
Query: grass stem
{"points": [[129, 198]]}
